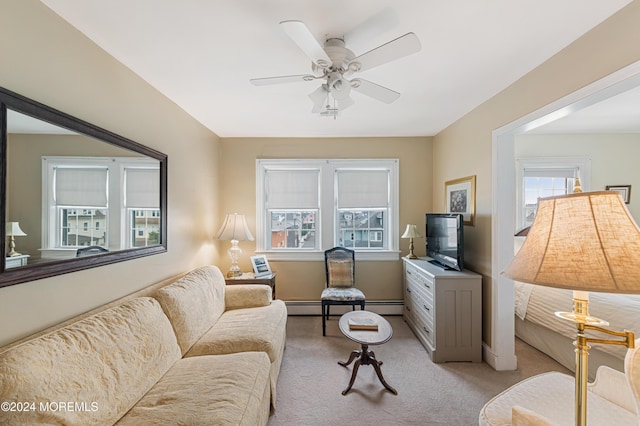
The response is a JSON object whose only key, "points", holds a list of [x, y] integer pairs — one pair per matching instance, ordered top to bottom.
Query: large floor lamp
{"points": [[584, 242]]}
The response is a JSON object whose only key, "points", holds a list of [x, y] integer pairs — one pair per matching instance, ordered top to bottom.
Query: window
{"points": [[541, 177], [142, 204], [292, 205], [307, 206], [78, 208]]}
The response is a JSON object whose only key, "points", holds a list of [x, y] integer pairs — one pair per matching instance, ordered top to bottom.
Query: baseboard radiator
{"points": [[313, 307]]}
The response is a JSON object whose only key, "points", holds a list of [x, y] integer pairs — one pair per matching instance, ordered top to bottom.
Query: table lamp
{"points": [[235, 229], [12, 230], [411, 232], [585, 241]]}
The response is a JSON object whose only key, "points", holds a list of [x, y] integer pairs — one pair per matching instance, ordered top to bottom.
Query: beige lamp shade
{"points": [[234, 228], [13, 229], [411, 232], [586, 241]]}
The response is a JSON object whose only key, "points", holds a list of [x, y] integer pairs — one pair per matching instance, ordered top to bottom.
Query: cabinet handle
{"points": [[408, 272], [427, 286], [408, 290], [425, 306], [408, 308], [425, 329]]}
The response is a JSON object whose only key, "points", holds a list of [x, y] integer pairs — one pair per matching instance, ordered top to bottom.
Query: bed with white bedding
{"points": [[536, 324]]}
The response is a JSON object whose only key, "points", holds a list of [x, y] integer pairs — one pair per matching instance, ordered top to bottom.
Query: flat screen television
{"points": [[445, 240]]}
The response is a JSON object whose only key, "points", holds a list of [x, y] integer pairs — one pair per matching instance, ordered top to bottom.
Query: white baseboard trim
{"points": [[313, 307], [488, 356], [504, 363]]}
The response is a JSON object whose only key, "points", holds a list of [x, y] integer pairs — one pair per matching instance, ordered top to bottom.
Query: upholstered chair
{"points": [[340, 271]]}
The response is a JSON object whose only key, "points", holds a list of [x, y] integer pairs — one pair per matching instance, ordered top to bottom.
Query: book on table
{"points": [[363, 324]]}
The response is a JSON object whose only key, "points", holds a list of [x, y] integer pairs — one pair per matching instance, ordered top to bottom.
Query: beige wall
{"points": [[45, 59], [465, 147], [614, 158], [305, 280]]}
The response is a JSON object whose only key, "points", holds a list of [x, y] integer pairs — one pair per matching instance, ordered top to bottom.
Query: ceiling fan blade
{"points": [[300, 34], [359, 37], [395, 49], [282, 79], [374, 91]]}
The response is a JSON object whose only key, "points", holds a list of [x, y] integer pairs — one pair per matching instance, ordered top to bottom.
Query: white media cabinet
{"points": [[444, 309]]}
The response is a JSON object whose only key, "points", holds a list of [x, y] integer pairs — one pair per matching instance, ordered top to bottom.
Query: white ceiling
{"points": [[202, 53], [618, 114]]}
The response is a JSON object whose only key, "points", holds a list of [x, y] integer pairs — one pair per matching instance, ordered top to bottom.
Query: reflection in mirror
{"points": [[75, 196]]}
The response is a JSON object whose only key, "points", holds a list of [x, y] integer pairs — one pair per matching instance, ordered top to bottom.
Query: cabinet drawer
{"points": [[424, 281], [425, 327]]}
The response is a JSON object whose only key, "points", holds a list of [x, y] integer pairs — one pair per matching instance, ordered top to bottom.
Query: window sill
{"points": [[309, 256]]}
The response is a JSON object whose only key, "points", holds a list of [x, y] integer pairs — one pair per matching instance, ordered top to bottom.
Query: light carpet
{"points": [[311, 381]]}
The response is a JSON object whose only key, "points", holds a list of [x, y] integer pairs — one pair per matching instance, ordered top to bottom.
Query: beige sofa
{"points": [[191, 352]]}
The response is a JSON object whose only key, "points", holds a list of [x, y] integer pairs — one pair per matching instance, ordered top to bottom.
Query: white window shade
{"points": [[85, 187], [142, 188], [362, 188], [292, 189]]}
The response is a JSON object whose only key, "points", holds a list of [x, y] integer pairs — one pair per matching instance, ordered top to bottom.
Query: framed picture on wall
{"points": [[624, 190], [460, 197], [260, 265]]}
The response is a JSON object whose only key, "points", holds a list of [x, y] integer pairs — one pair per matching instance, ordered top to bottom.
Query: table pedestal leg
{"points": [[366, 357]]}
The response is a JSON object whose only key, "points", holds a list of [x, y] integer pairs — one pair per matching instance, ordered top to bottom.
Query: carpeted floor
{"points": [[311, 381]]}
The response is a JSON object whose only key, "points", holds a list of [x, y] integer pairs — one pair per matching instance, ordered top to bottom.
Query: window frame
{"points": [[579, 163], [327, 216], [116, 235]]}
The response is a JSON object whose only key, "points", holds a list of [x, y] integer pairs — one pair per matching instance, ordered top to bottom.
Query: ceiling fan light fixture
{"points": [[354, 66], [318, 97], [345, 103]]}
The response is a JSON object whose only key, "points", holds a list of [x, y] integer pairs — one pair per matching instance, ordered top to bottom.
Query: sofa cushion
{"points": [[247, 296], [193, 303], [244, 330], [102, 365], [208, 390]]}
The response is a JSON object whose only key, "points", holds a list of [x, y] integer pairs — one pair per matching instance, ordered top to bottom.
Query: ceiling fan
{"points": [[334, 64]]}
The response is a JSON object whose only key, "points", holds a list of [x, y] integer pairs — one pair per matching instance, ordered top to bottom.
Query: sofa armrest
{"points": [[240, 296], [612, 385]]}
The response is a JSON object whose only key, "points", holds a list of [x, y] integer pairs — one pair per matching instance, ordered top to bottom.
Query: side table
{"points": [[250, 278], [364, 356]]}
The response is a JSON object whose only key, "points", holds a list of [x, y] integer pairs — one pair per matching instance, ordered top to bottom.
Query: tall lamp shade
{"points": [[12, 229], [234, 229], [411, 232], [583, 242]]}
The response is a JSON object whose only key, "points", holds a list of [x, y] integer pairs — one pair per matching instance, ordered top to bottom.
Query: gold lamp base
{"points": [[411, 255], [580, 316]]}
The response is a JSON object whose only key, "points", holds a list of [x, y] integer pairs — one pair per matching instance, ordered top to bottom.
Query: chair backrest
{"points": [[90, 251], [339, 263]]}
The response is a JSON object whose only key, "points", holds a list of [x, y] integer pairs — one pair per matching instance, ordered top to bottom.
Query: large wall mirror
{"points": [[73, 196]]}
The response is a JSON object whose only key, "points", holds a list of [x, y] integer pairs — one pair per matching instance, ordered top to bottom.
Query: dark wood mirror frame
{"points": [[21, 104]]}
